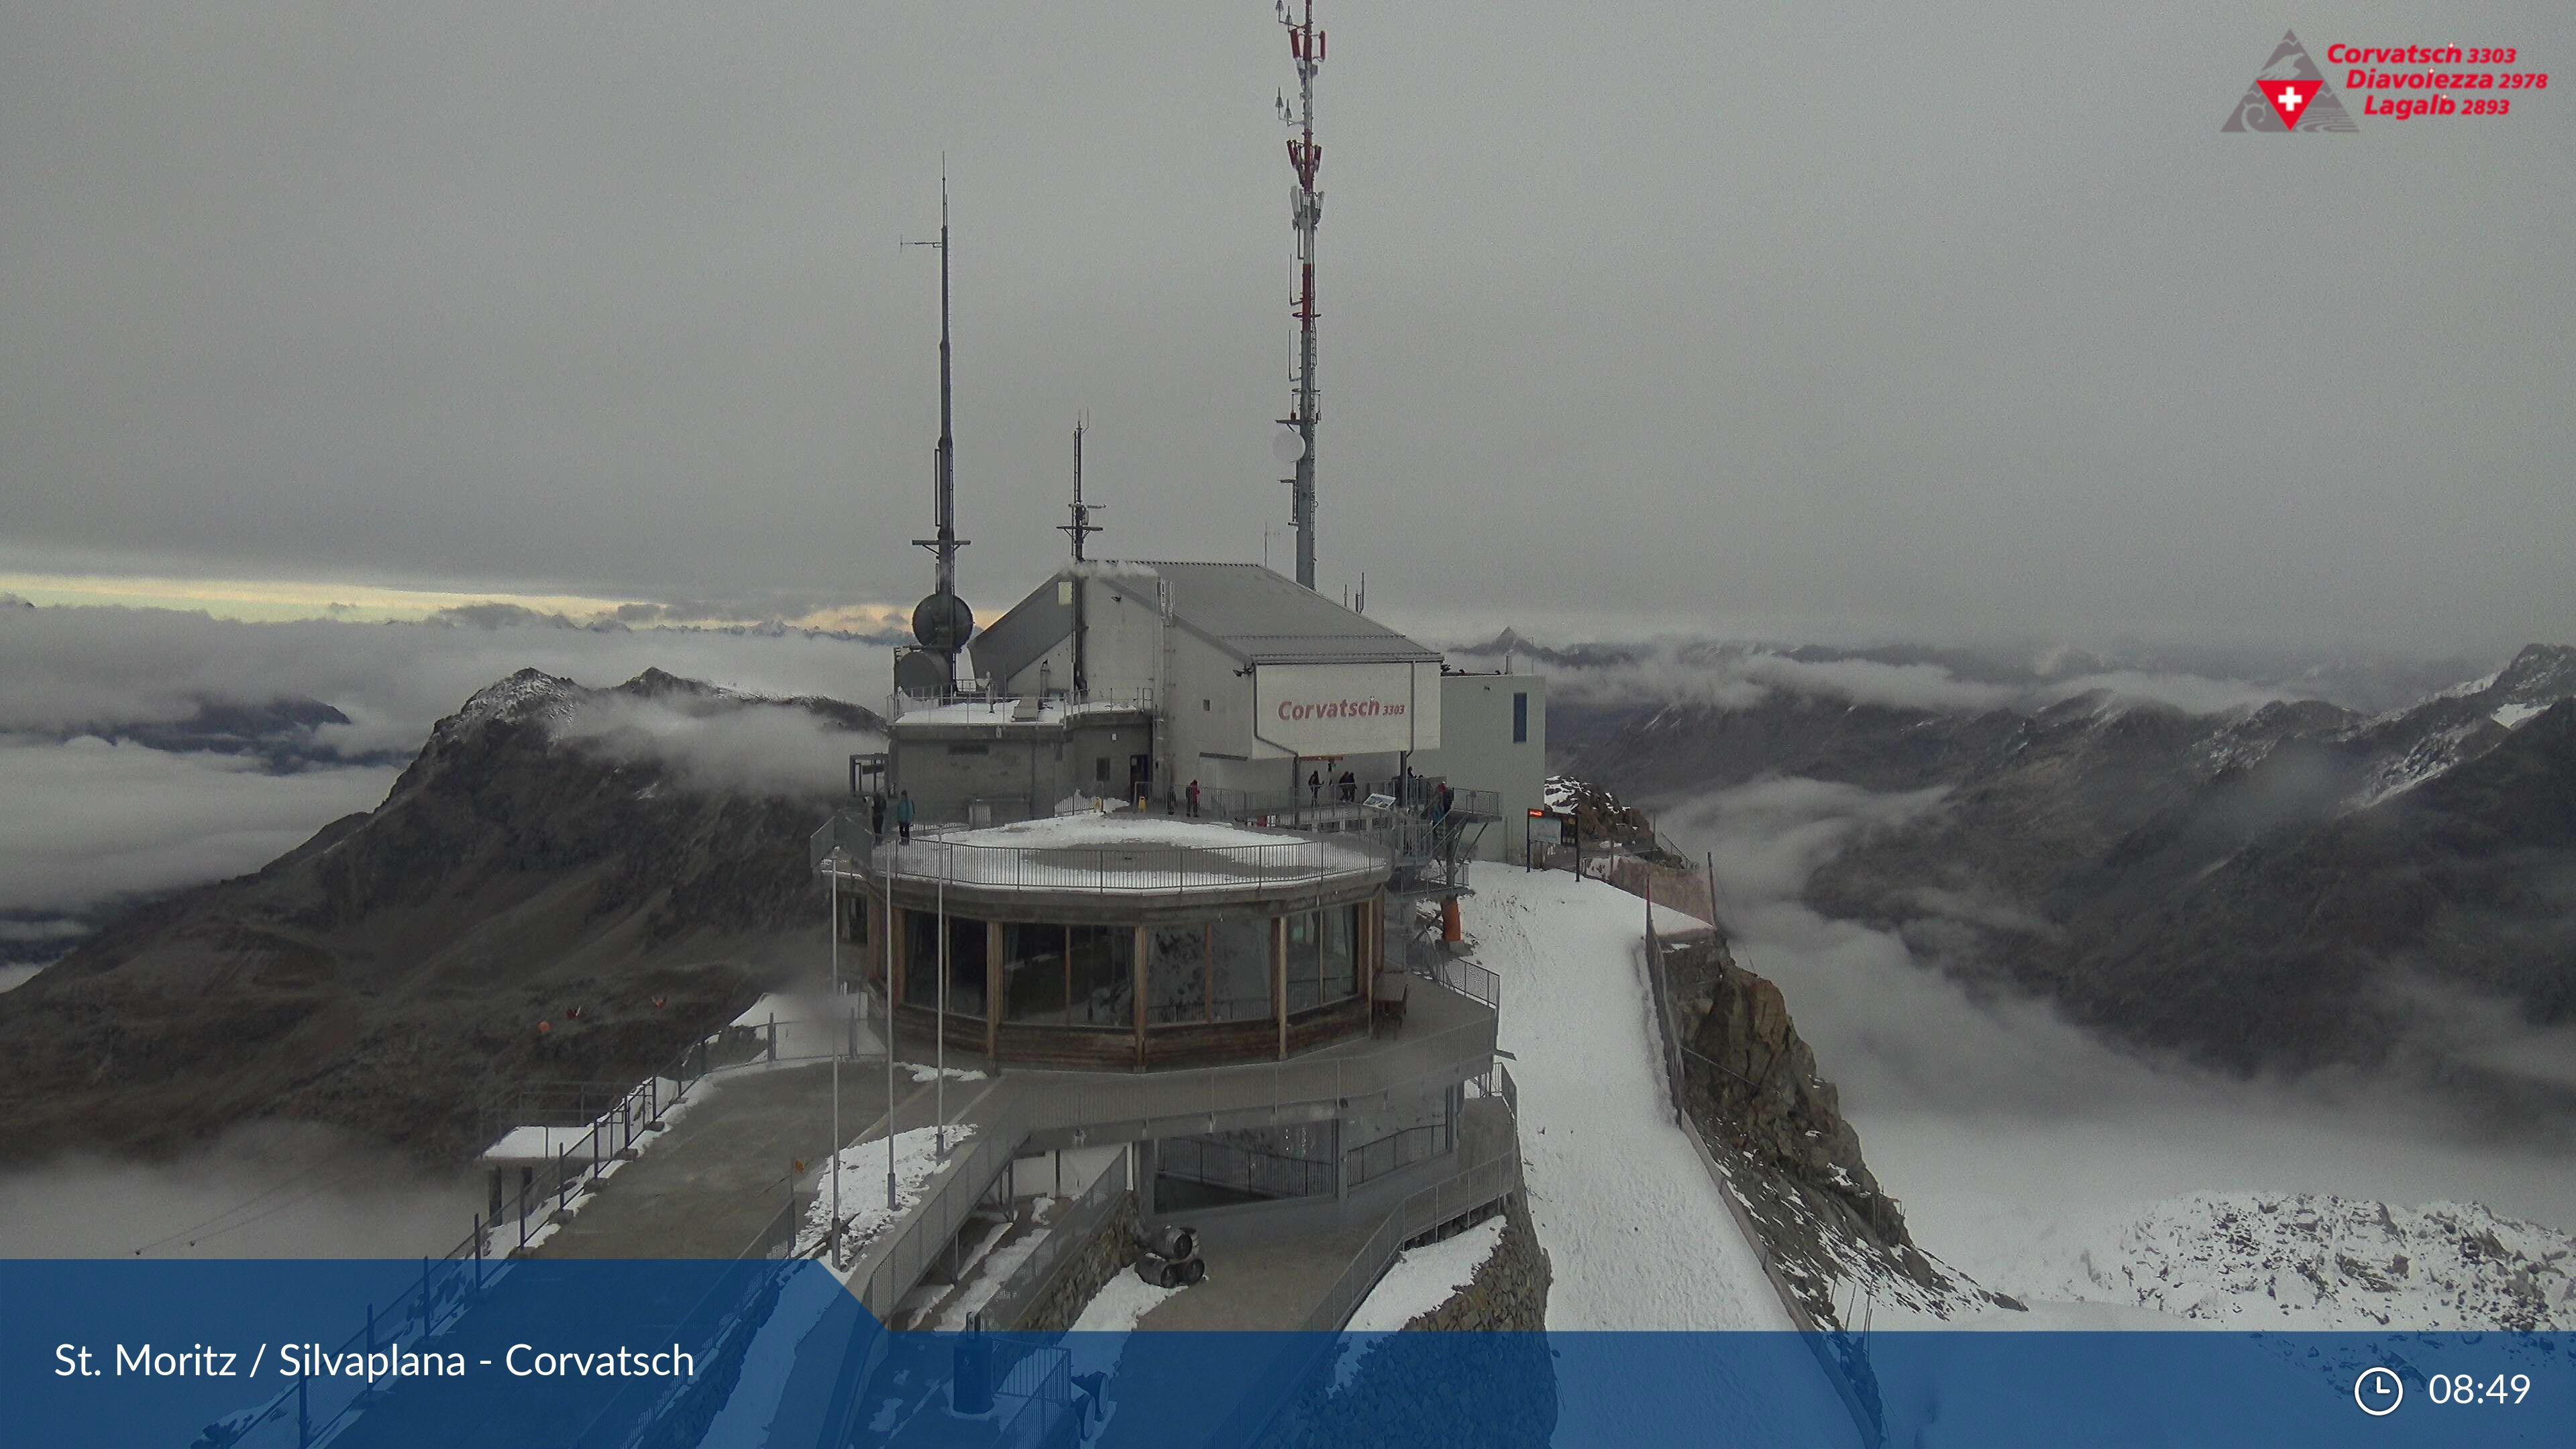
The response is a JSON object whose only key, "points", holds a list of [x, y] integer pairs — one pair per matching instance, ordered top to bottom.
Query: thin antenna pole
{"points": [[1306, 48], [1080, 528], [945, 544], [893, 994], [838, 1006], [939, 1045]]}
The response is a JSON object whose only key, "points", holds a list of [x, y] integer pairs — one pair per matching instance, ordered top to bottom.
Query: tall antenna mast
{"points": [[1306, 211], [1082, 527], [942, 622]]}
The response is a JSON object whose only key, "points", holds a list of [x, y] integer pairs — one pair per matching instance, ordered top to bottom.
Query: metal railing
{"points": [[1002, 707], [1327, 802], [1109, 868], [1464, 977], [1122, 1107], [1401, 1148], [580, 1162], [1232, 1165], [1493, 1176], [900, 1254], [1018, 1293]]}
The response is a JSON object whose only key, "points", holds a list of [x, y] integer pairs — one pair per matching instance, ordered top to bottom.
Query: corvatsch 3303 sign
{"points": [[1347, 709]]}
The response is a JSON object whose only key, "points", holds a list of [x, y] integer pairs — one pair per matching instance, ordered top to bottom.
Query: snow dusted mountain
{"points": [[638, 852], [2286, 885], [2312, 1263]]}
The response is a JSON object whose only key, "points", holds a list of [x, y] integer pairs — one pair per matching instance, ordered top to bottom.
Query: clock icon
{"points": [[2379, 1391]]}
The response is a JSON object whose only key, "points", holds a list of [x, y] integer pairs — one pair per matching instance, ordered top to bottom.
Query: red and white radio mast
{"points": [[1306, 210]]}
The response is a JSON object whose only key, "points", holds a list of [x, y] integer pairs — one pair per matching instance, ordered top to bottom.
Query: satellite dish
{"points": [[1287, 446], [943, 623], [919, 672]]}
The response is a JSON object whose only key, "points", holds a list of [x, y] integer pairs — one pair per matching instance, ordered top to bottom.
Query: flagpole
{"points": [[836, 1060]]}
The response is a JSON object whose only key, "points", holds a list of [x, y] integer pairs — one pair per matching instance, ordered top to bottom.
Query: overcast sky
{"points": [[1948, 321]]}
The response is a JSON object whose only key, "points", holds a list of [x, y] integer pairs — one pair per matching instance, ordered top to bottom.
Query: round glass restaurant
{"points": [[1123, 941]]}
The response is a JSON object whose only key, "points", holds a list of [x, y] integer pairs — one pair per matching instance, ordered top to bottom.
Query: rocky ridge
{"points": [[389, 974]]}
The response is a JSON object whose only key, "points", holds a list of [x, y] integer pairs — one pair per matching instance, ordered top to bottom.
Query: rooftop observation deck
{"points": [[1116, 862]]}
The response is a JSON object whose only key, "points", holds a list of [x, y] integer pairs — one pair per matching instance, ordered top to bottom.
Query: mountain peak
{"points": [[2539, 674], [658, 683], [527, 692]]}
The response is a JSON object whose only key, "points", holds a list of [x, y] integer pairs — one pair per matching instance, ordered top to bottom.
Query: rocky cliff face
{"points": [[390, 974], [1755, 1092]]}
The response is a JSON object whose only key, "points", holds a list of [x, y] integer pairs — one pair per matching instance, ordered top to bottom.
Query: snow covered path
{"points": [[1637, 1233]]}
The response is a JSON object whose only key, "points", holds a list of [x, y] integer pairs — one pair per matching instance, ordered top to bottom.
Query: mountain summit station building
{"points": [[1129, 681], [1255, 994]]}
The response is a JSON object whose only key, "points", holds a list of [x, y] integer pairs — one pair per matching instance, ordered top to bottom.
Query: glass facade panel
{"points": [[966, 955], [1341, 955], [920, 959], [1103, 966], [1240, 971], [1033, 974], [1176, 975], [1305, 989]]}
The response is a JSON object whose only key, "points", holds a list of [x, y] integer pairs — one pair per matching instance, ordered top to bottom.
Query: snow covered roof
{"points": [[1251, 613], [1049, 713], [1125, 851]]}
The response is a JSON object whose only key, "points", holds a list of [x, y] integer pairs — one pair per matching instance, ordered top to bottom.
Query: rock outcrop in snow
{"points": [[1763, 1105]]}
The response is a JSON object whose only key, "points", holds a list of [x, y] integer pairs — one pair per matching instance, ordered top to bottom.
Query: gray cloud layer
{"points": [[1792, 315], [67, 668], [87, 822], [1992, 1117]]}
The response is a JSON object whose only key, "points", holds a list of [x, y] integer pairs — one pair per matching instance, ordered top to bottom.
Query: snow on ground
{"points": [[2514, 714], [924, 1075], [862, 1166], [1637, 1232], [2305, 1262], [987, 1269], [1424, 1278], [1420, 1280], [1123, 1300]]}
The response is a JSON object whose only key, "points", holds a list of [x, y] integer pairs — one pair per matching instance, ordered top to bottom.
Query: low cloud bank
{"points": [[77, 668], [1739, 678], [727, 745], [89, 822], [1995, 1119], [270, 1190]]}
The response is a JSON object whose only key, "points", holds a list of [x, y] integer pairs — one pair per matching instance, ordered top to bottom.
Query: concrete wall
{"points": [[1477, 751]]}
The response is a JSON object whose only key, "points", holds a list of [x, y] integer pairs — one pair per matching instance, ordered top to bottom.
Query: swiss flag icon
{"points": [[2289, 98]]}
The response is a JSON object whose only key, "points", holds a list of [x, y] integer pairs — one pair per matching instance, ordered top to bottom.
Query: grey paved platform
{"points": [[721, 1172]]}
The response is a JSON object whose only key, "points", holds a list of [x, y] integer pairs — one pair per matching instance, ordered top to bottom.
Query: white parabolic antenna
{"points": [[1286, 446]]}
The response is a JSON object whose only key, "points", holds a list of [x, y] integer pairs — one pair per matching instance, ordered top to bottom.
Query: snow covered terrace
{"points": [[1124, 855]]}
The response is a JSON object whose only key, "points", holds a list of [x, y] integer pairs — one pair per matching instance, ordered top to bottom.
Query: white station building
{"points": [[1131, 680]]}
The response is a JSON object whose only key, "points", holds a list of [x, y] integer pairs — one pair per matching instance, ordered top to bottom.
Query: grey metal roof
{"points": [[1244, 609], [1259, 616]]}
